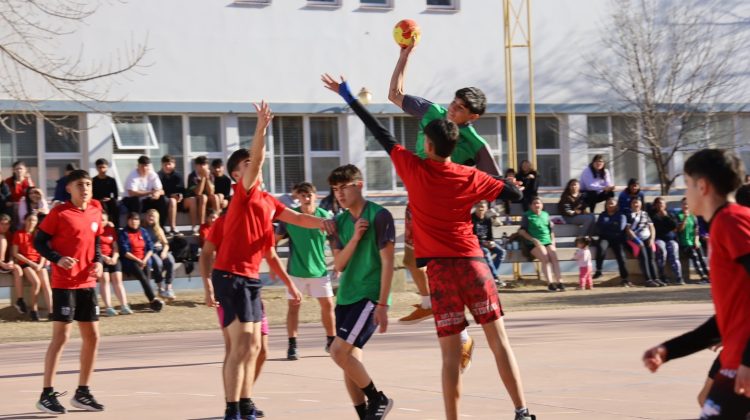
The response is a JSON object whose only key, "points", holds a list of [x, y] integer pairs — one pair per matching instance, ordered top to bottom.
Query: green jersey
{"points": [[470, 143], [538, 226], [687, 236], [307, 256], [361, 277]]}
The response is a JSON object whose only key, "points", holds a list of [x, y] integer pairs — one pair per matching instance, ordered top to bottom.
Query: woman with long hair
{"points": [[596, 183], [33, 202], [574, 209], [536, 229], [137, 248], [162, 262], [32, 264], [112, 270]]}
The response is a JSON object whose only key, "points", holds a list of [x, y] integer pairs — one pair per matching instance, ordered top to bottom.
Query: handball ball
{"points": [[403, 32]]}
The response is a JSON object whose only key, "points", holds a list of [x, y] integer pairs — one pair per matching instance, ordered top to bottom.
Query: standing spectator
{"points": [[510, 173], [530, 179], [19, 182], [222, 183], [596, 183], [105, 190], [144, 190], [174, 190], [201, 191], [61, 194], [627, 195], [35, 203], [6, 205], [574, 209], [611, 225], [536, 228], [483, 230], [641, 234], [688, 234], [667, 248], [136, 249], [583, 257], [162, 261], [33, 264], [112, 270]]}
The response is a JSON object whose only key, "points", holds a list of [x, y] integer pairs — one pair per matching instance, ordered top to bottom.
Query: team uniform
{"points": [[74, 234], [106, 240], [25, 243], [307, 261], [235, 276], [359, 283]]}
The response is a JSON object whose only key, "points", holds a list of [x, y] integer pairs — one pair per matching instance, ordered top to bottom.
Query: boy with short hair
{"points": [[711, 176], [222, 183], [104, 188], [200, 188], [174, 190], [442, 194], [68, 237], [690, 244], [363, 254], [307, 266]]}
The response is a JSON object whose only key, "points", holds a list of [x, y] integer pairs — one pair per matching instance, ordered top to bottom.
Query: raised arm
{"points": [[396, 89], [258, 146]]}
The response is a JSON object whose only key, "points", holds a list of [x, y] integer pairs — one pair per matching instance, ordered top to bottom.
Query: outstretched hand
{"points": [[330, 83], [264, 115]]}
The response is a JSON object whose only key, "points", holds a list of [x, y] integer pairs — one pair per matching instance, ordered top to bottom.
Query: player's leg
{"points": [[321, 289]]}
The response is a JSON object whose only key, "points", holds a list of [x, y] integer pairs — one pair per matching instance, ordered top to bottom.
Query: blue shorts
{"points": [[238, 297], [355, 323]]}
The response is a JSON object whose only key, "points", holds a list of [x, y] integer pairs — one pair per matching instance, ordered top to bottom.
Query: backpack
{"points": [[182, 252]]}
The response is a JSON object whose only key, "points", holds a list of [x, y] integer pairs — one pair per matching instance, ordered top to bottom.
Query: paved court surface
{"points": [[576, 364]]}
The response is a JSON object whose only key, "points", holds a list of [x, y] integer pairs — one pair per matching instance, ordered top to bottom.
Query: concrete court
{"points": [[581, 363]]}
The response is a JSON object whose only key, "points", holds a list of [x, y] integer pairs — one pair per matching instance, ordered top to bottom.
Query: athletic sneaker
{"points": [[196, 231], [597, 274], [704, 280], [499, 282], [626, 283], [651, 283], [551, 287], [560, 287], [163, 294], [170, 294], [156, 305], [20, 306], [125, 310], [110, 311], [34, 315], [418, 315], [467, 349], [291, 353], [85, 401], [49, 403], [379, 408], [259, 414], [235, 416], [525, 416]]}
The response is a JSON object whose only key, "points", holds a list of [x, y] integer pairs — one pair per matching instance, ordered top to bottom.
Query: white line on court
{"points": [[147, 393], [308, 400], [408, 409]]}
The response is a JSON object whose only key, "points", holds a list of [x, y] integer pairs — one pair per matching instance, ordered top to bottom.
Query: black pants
{"points": [[592, 198], [135, 204], [113, 211], [617, 246], [646, 261], [699, 262], [141, 274]]}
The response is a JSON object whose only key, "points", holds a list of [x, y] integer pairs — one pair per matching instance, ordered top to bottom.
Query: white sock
{"points": [[426, 302], [464, 336]]}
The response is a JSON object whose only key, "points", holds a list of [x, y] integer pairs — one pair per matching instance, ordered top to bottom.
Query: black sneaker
{"points": [[597, 274], [704, 280], [651, 283], [551, 287], [560, 287], [156, 305], [20, 306], [34, 315], [291, 353], [85, 401], [49, 403], [379, 408], [259, 414], [525, 415]]}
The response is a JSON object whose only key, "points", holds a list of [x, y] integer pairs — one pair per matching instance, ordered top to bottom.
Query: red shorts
{"points": [[408, 238], [456, 283]]}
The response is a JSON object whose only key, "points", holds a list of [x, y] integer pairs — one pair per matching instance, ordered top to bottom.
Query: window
{"points": [[253, 2], [324, 3], [376, 3], [442, 4], [487, 127], [743, 127], [168, 129], [246, 130], [406, 130], [598, 131], [721, 131], [133, 133], [205, 134], [324, 134], [61, 135], [522, 140], [19, 143], [372, 145], [548, 151], [288, 153], [321, 168], [548, 168], [55, 170], [379, 172]]}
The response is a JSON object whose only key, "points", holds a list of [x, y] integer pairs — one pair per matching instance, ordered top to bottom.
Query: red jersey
{"points": [[18, 190], [441, 195], [247, 226], [203, 232], [215, 232], [74, 233], [107, 238], [137, 242], [25, 243], [730, 282]]}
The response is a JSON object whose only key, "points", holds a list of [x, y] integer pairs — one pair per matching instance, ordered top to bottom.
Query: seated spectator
{"points": [[530, 179], [19, 182], [222, 183], [596, 183], [104, 189], [174, 190], [144, 191], [201, 192], [61, 194], [628, 194], [35, 203], [331, 204], [6, 205], [574, 210], [611, 225], [206, 227], [536, 229], [703, 234], [641, 236], [690, 244], [667, 248], [136, 249], [493, 253], [162, 261], [7, 266], [33, 266], [112, 273]]}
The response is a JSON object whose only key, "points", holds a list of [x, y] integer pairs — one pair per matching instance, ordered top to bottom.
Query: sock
{"points": [[426, 302], [464, 336], [329, 339], [292, 341], [83, 388], [47, 390], [371, 392], [233, 407], [246, 407], [361, 410], [523, 410]]}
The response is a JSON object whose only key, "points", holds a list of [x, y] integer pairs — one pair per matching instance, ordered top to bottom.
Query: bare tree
{"points": [[667, 66], [33, 68]]}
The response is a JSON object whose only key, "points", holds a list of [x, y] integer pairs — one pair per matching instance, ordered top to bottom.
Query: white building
{"points": [[208, 60]]}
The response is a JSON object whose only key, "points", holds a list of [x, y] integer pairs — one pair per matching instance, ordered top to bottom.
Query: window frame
{"points": [[322, 4], [386, 5], [453, 7], [152, 134]]}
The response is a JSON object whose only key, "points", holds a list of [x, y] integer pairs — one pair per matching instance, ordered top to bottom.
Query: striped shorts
{"points": [[355, 323]]}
